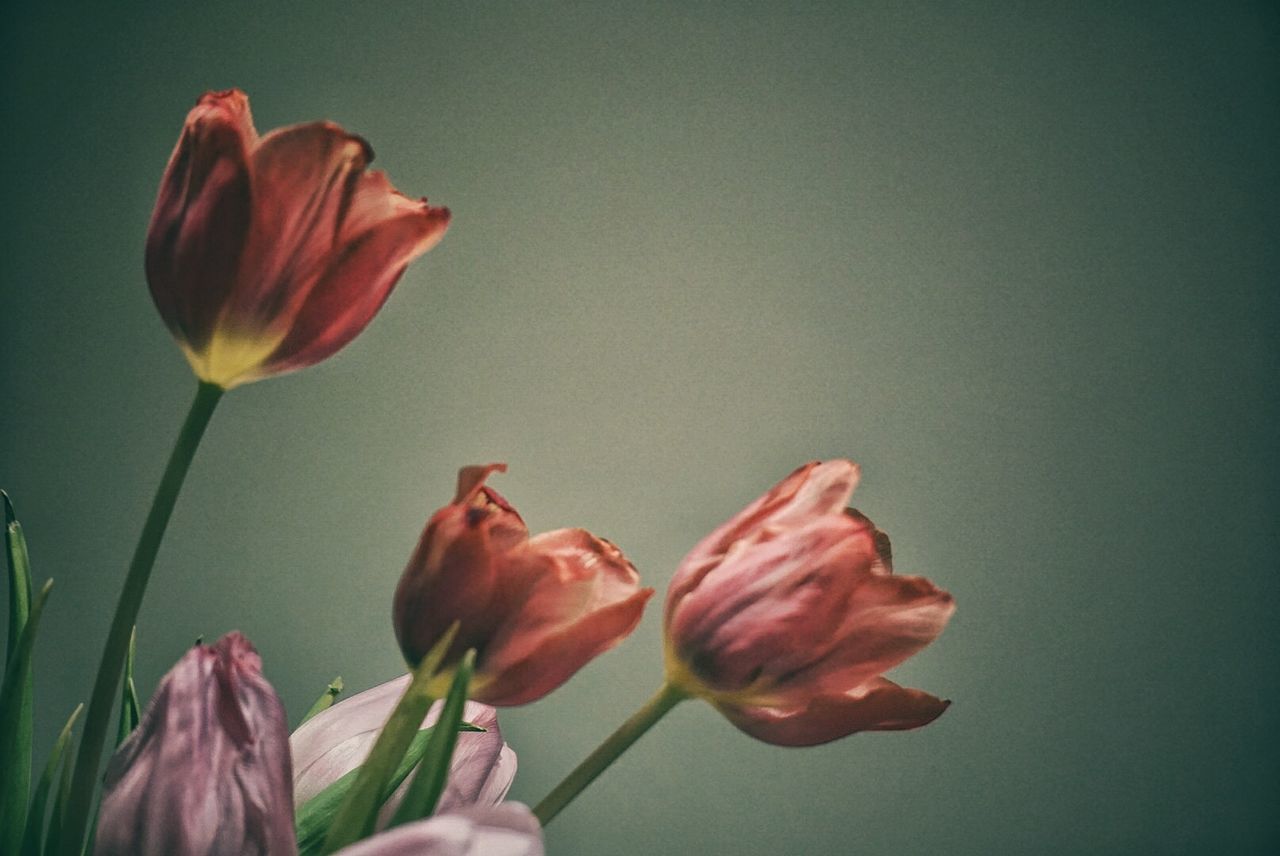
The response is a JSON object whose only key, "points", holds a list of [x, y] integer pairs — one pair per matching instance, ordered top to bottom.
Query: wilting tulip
{"points": [[268, 254], [535, 609], [786, 617], [336, 741], [206, 772], [505, 830]]}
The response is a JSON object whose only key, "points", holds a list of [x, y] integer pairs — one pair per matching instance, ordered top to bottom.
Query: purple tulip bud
{"points": [[207, 770]]}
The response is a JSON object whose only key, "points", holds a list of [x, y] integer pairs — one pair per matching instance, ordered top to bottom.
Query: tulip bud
{"points": [[268, 254], [535, 609], [786, 617], [337, 740], [206, 772], [509, 829]]}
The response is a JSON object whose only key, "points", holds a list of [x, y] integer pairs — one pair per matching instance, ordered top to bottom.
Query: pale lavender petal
{"points": [[337, 740], [479, 784], [509, 829]]}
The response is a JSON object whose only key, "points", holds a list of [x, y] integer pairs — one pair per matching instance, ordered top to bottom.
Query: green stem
{"points": [[135, 585], [607, 752]]}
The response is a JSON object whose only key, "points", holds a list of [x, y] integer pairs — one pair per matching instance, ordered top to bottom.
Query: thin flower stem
{"points": [[609, 751], [89, 756]]}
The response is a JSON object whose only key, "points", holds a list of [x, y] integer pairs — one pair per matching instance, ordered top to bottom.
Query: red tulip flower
{"points": [[268, 254], [535, 609], [787, 616], [206, 772]]}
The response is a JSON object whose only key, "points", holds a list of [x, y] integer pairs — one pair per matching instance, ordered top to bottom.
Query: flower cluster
{"points": [[268, 254]]}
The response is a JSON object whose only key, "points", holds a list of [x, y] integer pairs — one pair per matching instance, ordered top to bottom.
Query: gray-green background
{"points": [[1018, 260]]}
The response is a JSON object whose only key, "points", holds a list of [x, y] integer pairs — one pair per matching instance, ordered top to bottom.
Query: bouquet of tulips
{"points": [[269, 254]]}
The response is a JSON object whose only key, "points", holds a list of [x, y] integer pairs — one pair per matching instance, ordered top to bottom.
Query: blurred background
{"points": [[1017, 260]]}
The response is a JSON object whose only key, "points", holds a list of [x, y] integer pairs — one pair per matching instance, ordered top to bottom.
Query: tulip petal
{"points": [[304, 177], [200, 224], [358, 279], [471, 481], [815, 489], [451, 577], [572, 596], [771, 608], [889, 619], [546, 644], [881, 705], [336, 740], [509, 829]]}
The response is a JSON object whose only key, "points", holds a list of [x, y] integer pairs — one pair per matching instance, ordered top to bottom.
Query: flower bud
{"points": [[268, 254], [535, 609], [786, 617], [206, 772]]}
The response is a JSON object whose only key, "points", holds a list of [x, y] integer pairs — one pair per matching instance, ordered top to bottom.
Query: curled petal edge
{"points": [[881, 705]]}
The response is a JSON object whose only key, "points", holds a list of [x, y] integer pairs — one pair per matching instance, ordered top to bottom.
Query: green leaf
{"points": [[19, 575], [325, 701], [129, 708], [15, 731], [15, 746], [423, 794], [358, 813], [32, 838], [54, 839]]}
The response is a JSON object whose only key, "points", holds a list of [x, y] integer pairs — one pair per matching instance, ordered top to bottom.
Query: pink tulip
{"points": [[268, 254], [535, 609], [786, 617], [336, 741], [206, 772], [505, 830]]}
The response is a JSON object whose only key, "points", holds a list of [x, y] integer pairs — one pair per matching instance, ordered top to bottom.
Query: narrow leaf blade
{"points": [[19, 575], [325, 701], [129, 708], [15, 731], [424, 792], [317, 813], [358, 813], [54, 838], [32, 839]]}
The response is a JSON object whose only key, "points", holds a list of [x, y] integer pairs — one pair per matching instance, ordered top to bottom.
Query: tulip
{"points": [[269, 254], [535, 609], [786, 617], [337, 740], [206, 772], [505, 830]]}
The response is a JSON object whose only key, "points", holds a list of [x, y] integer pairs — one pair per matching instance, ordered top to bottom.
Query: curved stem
{"points": [[135, 585], [607, 752]]}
